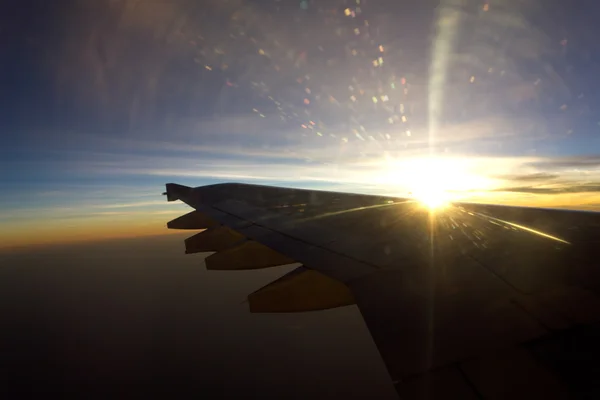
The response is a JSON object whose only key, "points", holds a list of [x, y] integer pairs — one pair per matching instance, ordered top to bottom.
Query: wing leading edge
{"points": [[472, 300]]}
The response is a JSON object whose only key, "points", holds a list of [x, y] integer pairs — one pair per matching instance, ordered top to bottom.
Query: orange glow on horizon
{"points": [[22, 234]]}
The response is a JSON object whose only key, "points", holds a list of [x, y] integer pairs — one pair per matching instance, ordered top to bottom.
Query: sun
{"points": [[431, 181], [434, 181], [434, 198]]}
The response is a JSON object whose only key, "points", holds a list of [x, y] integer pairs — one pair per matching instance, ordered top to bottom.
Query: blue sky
{"points": [[104, 102]]}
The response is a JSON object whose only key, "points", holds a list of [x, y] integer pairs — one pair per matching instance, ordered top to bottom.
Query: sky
{"points": [[104, 102]]}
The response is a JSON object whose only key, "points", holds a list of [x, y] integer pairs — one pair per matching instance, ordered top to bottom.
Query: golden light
{"points": [[435, 181], [432, 198]]}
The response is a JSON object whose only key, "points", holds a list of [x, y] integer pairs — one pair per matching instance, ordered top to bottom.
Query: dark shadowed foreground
{"points": [[463, 300], [136, 316]]}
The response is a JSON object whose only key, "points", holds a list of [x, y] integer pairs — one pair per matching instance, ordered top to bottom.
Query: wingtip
{"points": [[175, 191]]}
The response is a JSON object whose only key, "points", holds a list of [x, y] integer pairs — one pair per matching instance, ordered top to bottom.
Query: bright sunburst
{"points": [[433, 181], [433, 198]]}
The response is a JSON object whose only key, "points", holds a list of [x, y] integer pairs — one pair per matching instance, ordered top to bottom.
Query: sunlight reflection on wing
{"points": [[356, 209], [525, 228]]}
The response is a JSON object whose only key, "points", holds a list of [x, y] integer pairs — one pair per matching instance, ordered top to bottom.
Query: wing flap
{"points": [[218, 238], [248, 255], [301, 290]]}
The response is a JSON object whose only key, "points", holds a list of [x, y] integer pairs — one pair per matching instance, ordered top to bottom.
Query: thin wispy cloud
{"points": [[533, 177], [138, 204]]}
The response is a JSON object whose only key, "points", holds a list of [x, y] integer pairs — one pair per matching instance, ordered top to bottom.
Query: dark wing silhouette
{"points": [[471, 301]]}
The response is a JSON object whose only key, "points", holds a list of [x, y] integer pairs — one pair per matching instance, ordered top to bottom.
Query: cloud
{"points": [[311, 161], [584, 161], [538, 176], [554, 176], [572, 187], [51, 193], [134, 204], [132, 213]]}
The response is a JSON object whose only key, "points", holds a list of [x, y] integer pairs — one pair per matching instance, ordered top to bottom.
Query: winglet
{"points": [[176, 191]]}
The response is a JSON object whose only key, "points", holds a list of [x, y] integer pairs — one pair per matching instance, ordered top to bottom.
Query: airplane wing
{"points": [[469, 301]]}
